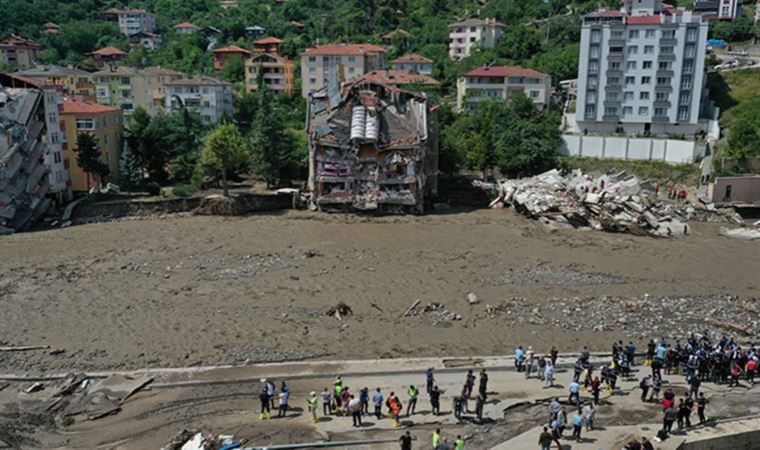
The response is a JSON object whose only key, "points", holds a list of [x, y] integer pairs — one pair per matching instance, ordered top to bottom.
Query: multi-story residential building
{"points": [[718, 9], [133, 21], [186, 28], [465, 35], [150, 41], [19, 52], [223, 55], [107, 56], [346, 61], [414, 63], [641, 70], [278, 71], [71, 80], [500, 82], [128, 89], [210, 97], [105, 124], [58, 170]]}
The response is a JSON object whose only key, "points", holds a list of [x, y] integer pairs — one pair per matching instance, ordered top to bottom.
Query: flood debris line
{"points": [[616, 202], [641, 316]]}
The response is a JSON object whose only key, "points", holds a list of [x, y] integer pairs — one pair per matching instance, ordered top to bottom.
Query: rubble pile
{"points": [[617, 202], [434, 311], [642, 316], [196, 440]]}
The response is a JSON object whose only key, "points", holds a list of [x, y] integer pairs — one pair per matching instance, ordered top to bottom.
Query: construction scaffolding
{"points": [[372, 147]]}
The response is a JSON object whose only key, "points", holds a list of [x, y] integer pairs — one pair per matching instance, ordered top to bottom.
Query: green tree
{"points": [[519, 43], [234, 69], [744, 140], [225, 151], [275, 157], [88, 158], [129, 175]]}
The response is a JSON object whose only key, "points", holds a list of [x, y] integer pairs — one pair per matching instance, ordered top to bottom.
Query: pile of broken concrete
{"points": [[616, 202]]}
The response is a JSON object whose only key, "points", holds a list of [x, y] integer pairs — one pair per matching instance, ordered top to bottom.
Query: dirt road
{"points": [[205, 290]]}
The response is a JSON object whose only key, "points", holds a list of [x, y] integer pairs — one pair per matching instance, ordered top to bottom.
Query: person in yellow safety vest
{"points": [[338, 389], [413, 394], [313, 405], [436, 437], [459, 443]]}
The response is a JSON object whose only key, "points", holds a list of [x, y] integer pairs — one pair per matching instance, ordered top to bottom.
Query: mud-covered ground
{"points": [[183, 291]]}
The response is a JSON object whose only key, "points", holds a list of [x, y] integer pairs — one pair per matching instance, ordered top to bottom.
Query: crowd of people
{"points": [[699, 359]]}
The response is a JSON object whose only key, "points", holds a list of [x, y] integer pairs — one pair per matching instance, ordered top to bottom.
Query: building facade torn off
{"points": [[372, 147], [23, 173]]}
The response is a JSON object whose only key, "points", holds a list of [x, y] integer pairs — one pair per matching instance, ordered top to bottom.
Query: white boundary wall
{"points": [[628, 148]]}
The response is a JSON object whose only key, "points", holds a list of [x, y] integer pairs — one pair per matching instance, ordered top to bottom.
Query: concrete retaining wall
{"points": [[628, 148], [125, 208], [747, 440]]}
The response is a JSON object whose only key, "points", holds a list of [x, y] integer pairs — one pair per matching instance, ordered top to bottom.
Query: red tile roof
{"points": [[644, 20], [186, 25], [269, 40], [19, 41], [232, 49], [343, 49], [108, 51], [412, 58], [504, 71], [397, 77], [79, 107]]}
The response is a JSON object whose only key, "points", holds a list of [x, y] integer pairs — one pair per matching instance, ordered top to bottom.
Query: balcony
{"points": [[616, 42], [668, 42], [615, 57], [666, 57], [615, 73], [665, 73], [613, 88], [663, 88], [612, 103], [662, 103], [611, 118], [661, 119]]}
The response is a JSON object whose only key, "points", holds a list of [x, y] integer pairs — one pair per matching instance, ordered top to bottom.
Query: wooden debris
{"points": [[411, 308], [340, 310], [730, 326], [24, 348]]}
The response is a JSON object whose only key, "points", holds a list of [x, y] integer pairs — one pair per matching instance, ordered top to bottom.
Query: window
{"points": [[473, 29], [617, 34], [633, 34], [649, 34], [669, 34], [691, 34], [596, 36], [472, 39], [633, 49], [649, 49], [616, 50], [666, 50], [690, 50], [594, 51], [312, 59], [352, 59], [614, 65], [630, 65], [647, 65], [663, 65], [688, 66], [593, 67], [312, 70], [351, 70], [124, 80], [312, 80], [646, 80], [592, 81], [613, 81], [630, 81], [663, 81], [686, 82], [102, 93], [534, 94], [628, 95], [643, 95], [613, 96], [591, 97], [662, 97], [685, 97], [206, 104], [590, 110], [628, 110], [643, 110], [610, 111], [659, 111], [683, 113], [52, 117], [105, 122], [85, 124], [55, 137], [106, 140], [56, 157]]}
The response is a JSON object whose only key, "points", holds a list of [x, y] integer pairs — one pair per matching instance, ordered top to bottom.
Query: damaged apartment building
{"points": [[372, 147], [24, 182]]}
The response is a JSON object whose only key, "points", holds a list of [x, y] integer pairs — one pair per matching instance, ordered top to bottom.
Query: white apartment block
{"points": [[718, 9], [133, 21], [465, 35], [347, 61], [641, 70], [499, 82], [211, 98], [58, 173]]}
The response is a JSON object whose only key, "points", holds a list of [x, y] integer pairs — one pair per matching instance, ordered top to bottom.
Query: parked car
{"points": [[728, 65]]}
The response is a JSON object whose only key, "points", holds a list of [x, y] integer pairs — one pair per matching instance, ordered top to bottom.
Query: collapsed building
{"points": [[372, 147], [23, 149]]}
